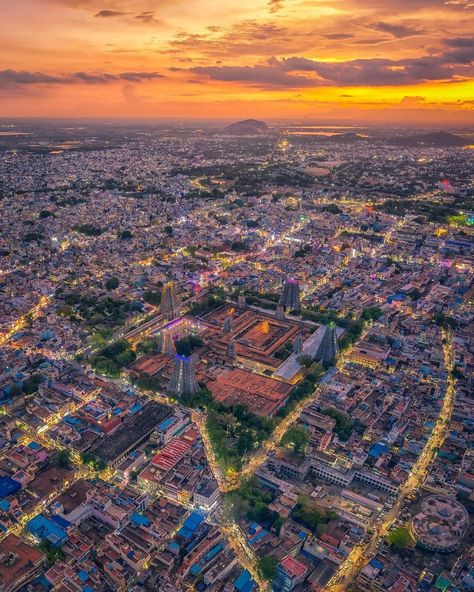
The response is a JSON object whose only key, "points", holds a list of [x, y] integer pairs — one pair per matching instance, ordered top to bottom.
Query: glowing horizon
{"points": [[337, 60]]}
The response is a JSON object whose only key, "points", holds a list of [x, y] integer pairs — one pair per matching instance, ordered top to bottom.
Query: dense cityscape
{"points": [[236, 357]]}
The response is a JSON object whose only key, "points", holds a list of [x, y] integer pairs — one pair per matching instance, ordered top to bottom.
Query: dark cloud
{"points": [[109, 13], [147, 18], [398, 31], [339, 36], [460, 42], [462, 51], [296, 72], [373, 72], [260, 75], [140, 76], [104, 77], [14, 79]]}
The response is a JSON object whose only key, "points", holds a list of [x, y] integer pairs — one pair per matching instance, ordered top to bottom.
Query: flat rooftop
{"points": [[133, 430], [18, 561]]}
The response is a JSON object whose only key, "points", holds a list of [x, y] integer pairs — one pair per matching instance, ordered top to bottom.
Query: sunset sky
{"points": [[360, 60]]}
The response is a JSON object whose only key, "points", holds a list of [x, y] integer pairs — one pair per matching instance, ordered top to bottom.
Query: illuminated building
{"points": [[290, 297], [241, 301], [169, 304], [280, 313], [298, 344], [328, 348], [231, 349], [183, 378]]}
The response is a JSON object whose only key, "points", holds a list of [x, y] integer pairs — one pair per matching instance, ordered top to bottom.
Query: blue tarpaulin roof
{"points": [[166, 424], [378, 449], [8, 486], [140, 519], [63, 523], [376, 563], [242, 580]]}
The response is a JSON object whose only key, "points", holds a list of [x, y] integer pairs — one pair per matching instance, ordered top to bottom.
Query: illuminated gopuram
{"points": [[290, 297], [169, 302], [280, 313], [227, 325], [298, 344], [328, 348], [230, 351], [183, 378]]}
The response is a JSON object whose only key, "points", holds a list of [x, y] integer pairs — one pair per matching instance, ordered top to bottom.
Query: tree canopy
{"points": [[296, 438], [400, 538]]}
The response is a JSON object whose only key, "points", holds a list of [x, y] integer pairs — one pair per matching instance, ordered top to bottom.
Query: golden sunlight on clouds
{"points": [[277, 58]]}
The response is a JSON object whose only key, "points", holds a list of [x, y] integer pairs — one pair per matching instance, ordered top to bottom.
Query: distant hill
{"points": [[247, 126], [436, 139]]}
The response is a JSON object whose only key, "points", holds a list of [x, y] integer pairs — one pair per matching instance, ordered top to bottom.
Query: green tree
{"points": [[169, 230], [111, 283], [152, 297], [372, 313], [148, 345], [305, 360], [31, 384], [15, 390], [344, 424], [296, 438], [64, 459], [91, 460], [400, 538], [52, 553], [267, 567]]}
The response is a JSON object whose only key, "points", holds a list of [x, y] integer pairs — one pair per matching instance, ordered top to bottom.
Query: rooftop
{"points": [[113, 446]]}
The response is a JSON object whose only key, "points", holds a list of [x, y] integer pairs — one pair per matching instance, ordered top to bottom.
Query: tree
{"points": [[331, 208], [88, 229], [169, 230], [125, 235], [111, 283], [152, 297], [372, 313], [148, 345], [186, 345], [305, 360], [31, 384], [15, 390], [344, 424], [296, 438], [64, 459], [91, 460], [400, 538], [52, 553], [267, 567]]}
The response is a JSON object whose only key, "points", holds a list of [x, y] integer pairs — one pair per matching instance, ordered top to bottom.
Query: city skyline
{"points": [[334, 61]]}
